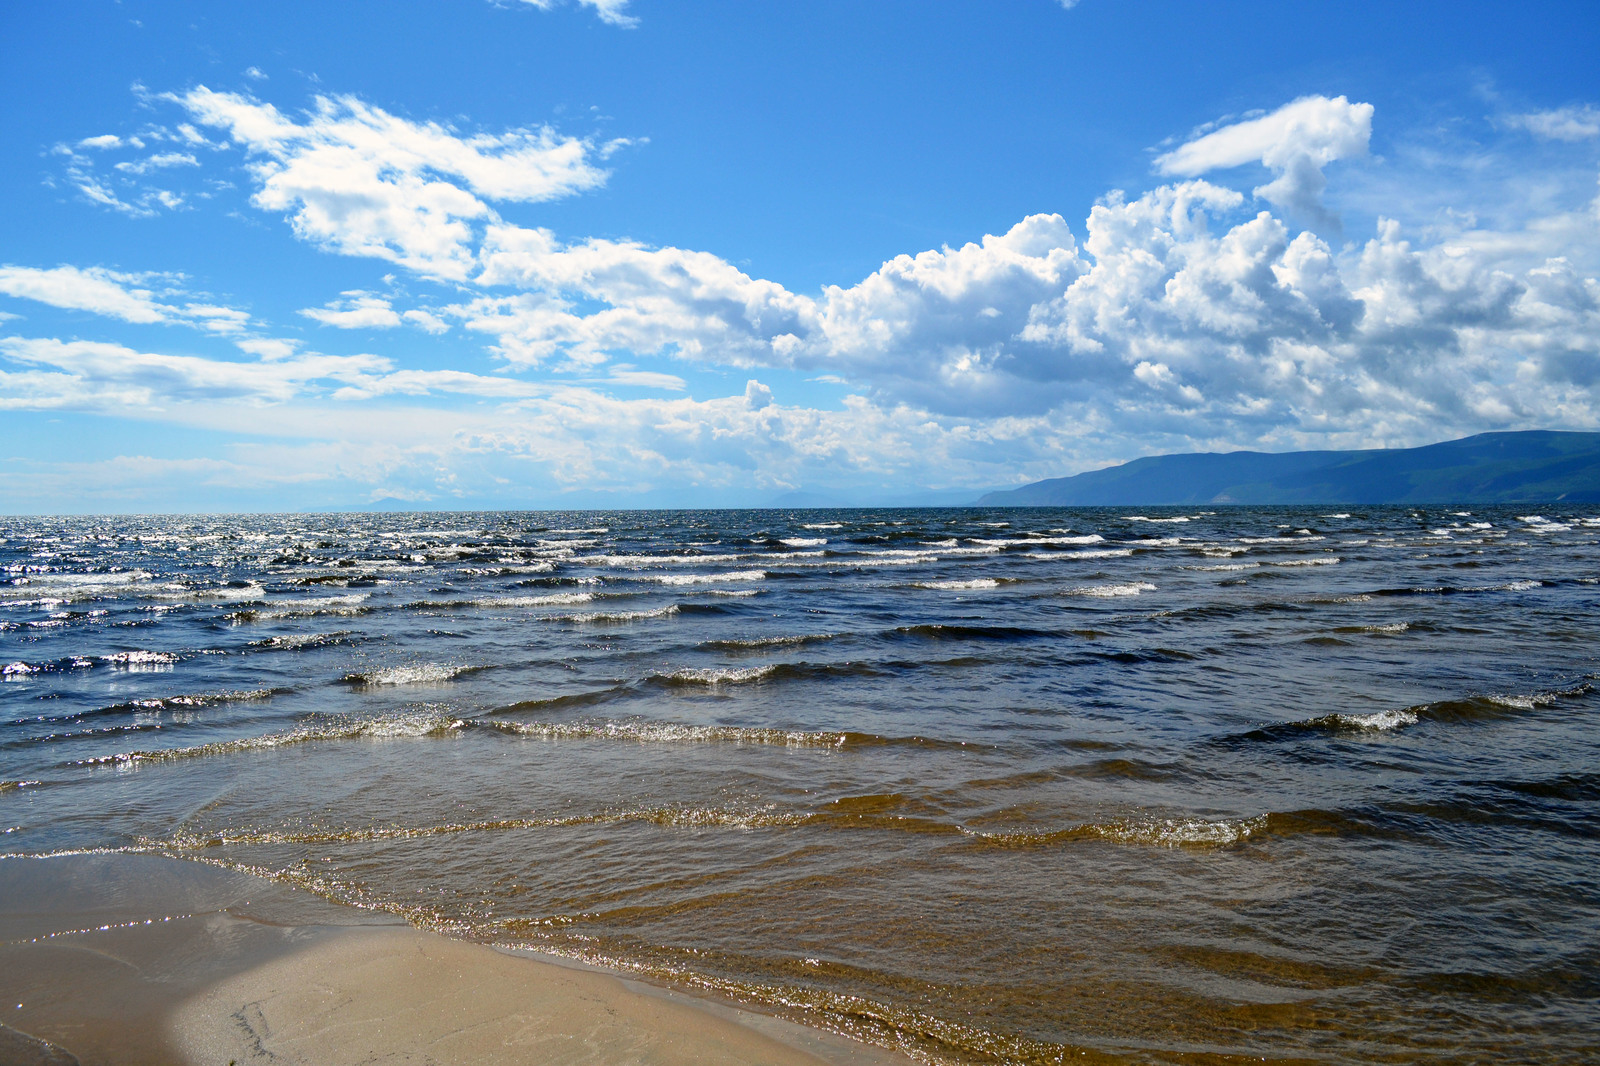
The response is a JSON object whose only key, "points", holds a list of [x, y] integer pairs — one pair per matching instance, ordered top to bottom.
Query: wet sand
{"points": [[139, 959]]}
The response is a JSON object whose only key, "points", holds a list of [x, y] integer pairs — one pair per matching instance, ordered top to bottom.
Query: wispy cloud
{"points": [[614, 12], [1576, 123], [117, 295], [357, 310]]}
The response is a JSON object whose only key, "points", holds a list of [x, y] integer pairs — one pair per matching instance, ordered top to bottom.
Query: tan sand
{"points": [[135, 959]]}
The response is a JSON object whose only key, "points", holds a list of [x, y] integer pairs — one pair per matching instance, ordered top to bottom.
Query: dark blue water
{"points": [[987, 785]]}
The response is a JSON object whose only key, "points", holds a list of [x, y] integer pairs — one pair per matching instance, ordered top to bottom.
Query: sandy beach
{"points": [[140, 959]]}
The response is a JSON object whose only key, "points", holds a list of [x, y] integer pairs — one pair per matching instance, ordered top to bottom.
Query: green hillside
{"points": [[1524, 467]]}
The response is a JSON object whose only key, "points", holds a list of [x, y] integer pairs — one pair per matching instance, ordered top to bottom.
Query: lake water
{"points": [[1019, 785]]}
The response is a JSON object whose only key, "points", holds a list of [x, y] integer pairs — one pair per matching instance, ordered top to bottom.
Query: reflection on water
{"points": [[1016, 785]]}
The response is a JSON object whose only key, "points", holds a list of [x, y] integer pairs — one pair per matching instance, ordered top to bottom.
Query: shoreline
{"points": [[133, 959]]}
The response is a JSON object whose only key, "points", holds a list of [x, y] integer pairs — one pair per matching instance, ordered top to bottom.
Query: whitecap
{"points": [[1278, 540], [1035, 541], [803, 542], [1088, 553], [653, 560], [704, 579], [972, 583], [1132, 588], [553, 599], [602, 617], [140, 658], [407, 674], [713, 675], [1525, 703], [1379, 722], [418, 724], [670, 733]]}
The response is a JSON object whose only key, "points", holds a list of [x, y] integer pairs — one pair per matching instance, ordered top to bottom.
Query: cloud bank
{"points": [[1190, 315]]}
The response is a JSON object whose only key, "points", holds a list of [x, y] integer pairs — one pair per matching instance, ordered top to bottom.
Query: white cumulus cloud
{"points": [[1296, 141], [361, 181], [1184, 316]]}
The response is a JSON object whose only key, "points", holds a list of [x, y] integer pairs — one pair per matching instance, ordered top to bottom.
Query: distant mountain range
{"points": [[1527, 467]]}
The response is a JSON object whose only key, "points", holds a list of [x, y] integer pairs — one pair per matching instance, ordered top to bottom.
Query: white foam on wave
{"points": [[1341, 514], [1143, 518], [1540, 524], [823, 525], [1280, 540], [1035, 541], [803, 542], [1089, 553], [881, 559], [654, 560], [1325, 560], [1224, 566], [506, 569], [705, 579], [971, 583], [1510, 586], [1132, 588], [52, 589], [733, 593], [221, 594], [550, 600], [307, 607], [619, 617], [1387, 627], [773, 642], [140, 658], [408, 674], [720, 675], [1526, 703], [1379, 722], [413, 724], [643, 732], [1179, 832]]}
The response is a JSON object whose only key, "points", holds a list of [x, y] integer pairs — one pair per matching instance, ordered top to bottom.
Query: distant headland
{"points": [[1522, 467]]}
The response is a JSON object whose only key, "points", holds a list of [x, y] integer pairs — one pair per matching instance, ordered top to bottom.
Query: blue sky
{"points": [[626, 253]]}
